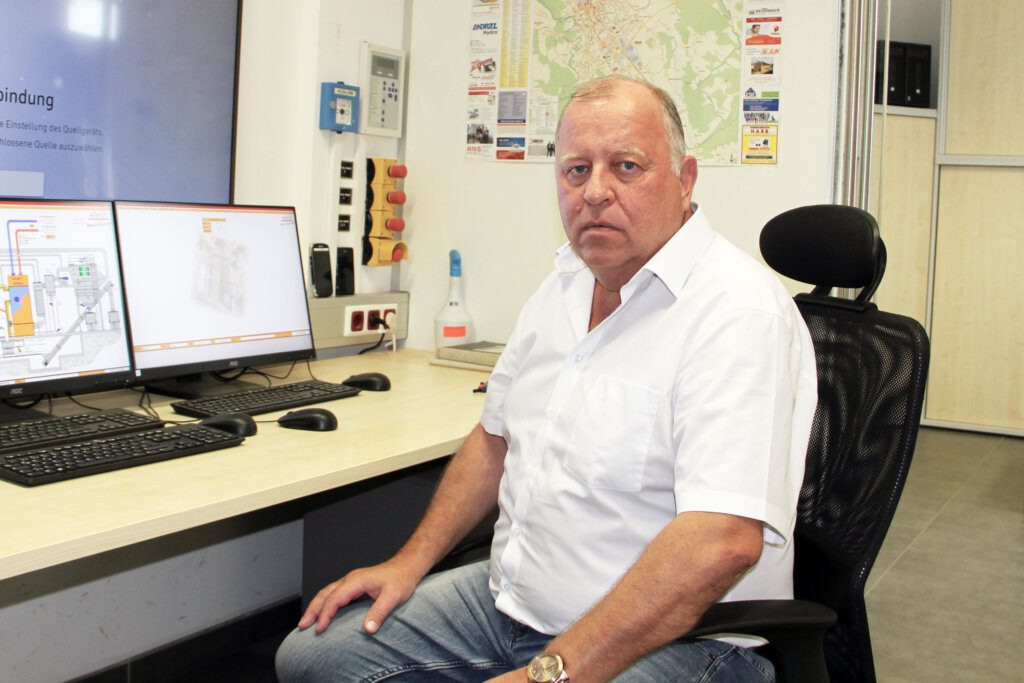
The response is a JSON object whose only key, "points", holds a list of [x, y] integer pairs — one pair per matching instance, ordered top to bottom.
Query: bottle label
{"points": [[453, 331]]}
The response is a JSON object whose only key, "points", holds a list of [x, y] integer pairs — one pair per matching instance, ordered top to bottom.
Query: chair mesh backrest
{"points": [[871, 373]]}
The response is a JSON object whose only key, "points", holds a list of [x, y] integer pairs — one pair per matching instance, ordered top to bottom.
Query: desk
{"points": [[425, 416]]}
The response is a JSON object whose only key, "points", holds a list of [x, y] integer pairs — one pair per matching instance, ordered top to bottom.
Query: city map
{"points": [[691, 48]]}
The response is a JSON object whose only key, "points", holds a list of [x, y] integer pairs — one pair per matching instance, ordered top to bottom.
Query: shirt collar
{"points": [[566, 260], [671, 264]]}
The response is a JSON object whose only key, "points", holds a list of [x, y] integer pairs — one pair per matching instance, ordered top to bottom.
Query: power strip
{"points": [[345, 320]]}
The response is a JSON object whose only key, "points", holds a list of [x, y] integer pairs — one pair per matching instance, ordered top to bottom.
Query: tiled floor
{"points": [[946, 596]]}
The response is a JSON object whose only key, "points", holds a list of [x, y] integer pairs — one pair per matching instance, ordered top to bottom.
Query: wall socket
{"points": [[332, 318], [361, 319]]}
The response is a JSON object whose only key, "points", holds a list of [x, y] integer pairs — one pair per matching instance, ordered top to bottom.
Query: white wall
{"points": [[276, 79], [282, 156], [504, 219]]}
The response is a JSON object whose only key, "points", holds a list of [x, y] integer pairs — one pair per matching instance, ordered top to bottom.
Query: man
{"points": [[643, 434]]}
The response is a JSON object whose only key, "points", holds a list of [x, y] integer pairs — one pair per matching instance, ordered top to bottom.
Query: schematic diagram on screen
{"points": [[60, 291]]}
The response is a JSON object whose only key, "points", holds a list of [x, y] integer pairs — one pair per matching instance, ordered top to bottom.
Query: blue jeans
{"points": [[450, 631]]}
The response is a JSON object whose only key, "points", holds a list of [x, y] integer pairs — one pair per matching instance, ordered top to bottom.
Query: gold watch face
{"points": [[544, 668]]}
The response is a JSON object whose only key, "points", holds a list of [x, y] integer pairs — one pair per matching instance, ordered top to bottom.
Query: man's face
{"points": [[619, 198]]}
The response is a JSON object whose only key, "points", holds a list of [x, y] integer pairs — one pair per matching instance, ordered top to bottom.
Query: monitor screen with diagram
{"points": [[212, 287], [64, 313]]}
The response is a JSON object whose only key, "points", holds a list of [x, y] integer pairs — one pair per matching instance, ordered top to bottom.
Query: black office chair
{"points": [[871, 377]]}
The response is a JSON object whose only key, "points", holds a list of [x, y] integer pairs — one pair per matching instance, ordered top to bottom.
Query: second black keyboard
{"points": [[268, 400], [46, 431], [68, 461]]}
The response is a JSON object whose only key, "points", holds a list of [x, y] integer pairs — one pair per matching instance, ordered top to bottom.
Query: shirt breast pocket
{"points": [[609, 442]]}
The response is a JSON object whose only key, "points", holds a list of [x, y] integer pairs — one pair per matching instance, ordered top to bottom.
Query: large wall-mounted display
{"points": [[106, 99]]}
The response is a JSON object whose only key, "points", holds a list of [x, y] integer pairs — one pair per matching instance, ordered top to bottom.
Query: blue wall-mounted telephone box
{"points": [[339, 107]]}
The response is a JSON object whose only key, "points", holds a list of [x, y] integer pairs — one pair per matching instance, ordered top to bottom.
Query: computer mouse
{"points": [[371, 381], [312, 419], [239, 424]]}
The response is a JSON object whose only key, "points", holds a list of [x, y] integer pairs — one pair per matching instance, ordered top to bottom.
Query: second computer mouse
{"points": [[371, 381], [313, 419], [239, 424]]}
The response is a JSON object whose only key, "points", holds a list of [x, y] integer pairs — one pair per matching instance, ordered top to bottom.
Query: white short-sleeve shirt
{"points": [[696, 394]]}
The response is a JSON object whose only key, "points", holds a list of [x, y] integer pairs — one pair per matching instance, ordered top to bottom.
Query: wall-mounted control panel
{"points": [[383, 79]]}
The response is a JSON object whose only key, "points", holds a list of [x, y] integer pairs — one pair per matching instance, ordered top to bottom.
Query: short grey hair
{"points": [[605, 87]]}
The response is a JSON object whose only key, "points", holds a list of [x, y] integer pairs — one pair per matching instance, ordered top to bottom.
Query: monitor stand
{"points": [[199, 384], [9, 413]]}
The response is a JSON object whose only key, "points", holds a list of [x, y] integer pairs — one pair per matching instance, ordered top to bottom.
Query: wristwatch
{"points": [[547, 667]]}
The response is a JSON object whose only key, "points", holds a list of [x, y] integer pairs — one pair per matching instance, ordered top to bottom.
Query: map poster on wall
{"points": [[719, 59]]}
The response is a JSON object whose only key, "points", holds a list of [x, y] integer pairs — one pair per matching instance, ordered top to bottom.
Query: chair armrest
{"points": [[794, 629]]}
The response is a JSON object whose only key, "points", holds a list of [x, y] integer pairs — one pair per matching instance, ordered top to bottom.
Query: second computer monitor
{"points": [[211, 288]]}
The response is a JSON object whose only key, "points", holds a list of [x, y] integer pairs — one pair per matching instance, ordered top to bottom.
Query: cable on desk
{"points": [[375, 319], [375, 346], [310, 371], [266, 374], [222, 377], [226, 377], [74, 400], [146, 401], [29, 405]]}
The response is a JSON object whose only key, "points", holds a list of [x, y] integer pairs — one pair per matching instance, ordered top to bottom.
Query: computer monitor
{"points": [[211, 288], [63, 304]]}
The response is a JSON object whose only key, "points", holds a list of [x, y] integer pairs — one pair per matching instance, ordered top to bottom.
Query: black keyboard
{"points": [[266, 400], [48, 431], [82, 458]]}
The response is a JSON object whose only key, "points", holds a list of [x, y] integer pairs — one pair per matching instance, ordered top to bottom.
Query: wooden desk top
{"points": [[426, 415]]}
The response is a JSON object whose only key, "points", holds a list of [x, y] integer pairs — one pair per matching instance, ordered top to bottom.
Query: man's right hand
{"points": [[468, 491], [389, 584]]}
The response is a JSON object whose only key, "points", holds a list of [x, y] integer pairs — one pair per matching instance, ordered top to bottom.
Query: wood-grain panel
{"points": [[986, 61], [903, 206], [977, 371]]}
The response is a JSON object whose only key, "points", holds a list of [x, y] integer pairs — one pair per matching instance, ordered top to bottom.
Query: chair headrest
{"points": [[826, 245]]}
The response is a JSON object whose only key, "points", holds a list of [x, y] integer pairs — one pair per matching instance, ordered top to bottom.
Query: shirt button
{"points": [[577, 358], [551, 415], [516, 530], [504, 585]]}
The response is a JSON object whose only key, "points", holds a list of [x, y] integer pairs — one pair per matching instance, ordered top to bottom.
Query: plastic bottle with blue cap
{"points": [[452, 325]]}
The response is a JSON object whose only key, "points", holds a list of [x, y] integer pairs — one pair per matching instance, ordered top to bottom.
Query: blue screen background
{"points": [[142, 98]]}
